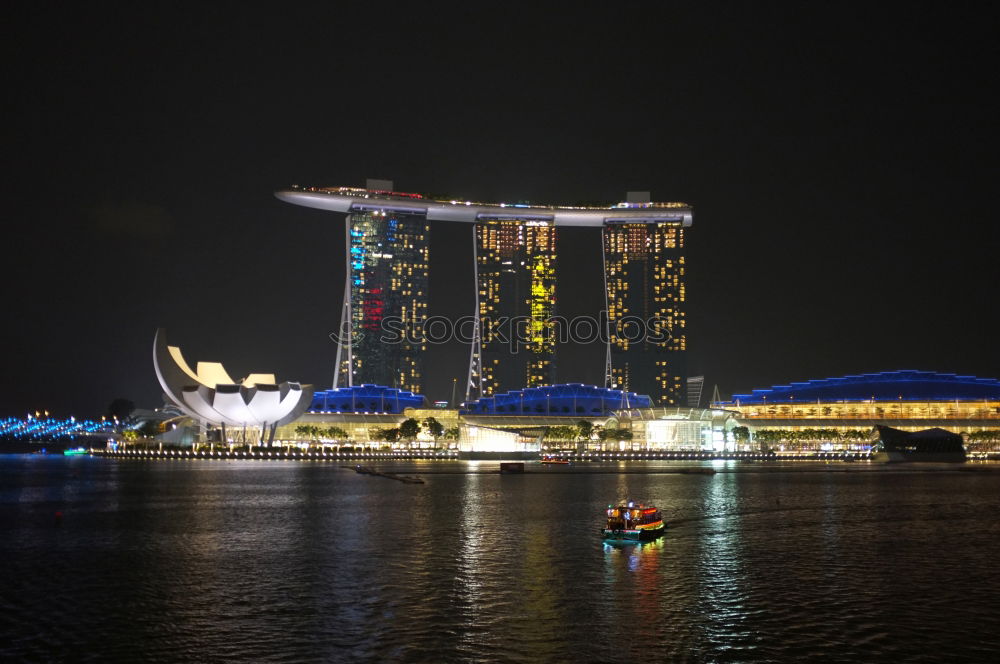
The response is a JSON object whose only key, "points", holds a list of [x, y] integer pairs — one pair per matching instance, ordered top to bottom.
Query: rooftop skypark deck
{"points": [[354, 199]]}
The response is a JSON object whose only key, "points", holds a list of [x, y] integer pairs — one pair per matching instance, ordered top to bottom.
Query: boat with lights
{"points": [[555, 460], [631, 521]]}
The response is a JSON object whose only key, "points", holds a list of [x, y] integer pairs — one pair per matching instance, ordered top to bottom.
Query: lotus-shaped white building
{"points": [[209, 395]]}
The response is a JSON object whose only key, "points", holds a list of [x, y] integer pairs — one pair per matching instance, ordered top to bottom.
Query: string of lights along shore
{"points": [[516, 260]]}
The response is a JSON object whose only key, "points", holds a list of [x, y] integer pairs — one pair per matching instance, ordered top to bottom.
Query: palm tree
{"points": [[336, 433]]}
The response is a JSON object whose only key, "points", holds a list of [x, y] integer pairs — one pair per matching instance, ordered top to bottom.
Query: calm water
{"points": [[293, 561]]}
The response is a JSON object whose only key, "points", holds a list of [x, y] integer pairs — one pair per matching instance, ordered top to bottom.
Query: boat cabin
{"points": [[630, 516]]}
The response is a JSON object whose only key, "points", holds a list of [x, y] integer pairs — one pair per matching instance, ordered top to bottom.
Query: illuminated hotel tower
{"points": [[515, 261], [644, 275], [386, 282], [516, 299]]}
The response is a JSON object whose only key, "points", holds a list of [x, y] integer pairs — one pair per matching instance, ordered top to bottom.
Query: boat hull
{"points": [[497, 456], [894, 456], [643, 535]]}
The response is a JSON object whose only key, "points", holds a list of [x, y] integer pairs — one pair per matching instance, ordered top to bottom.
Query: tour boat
{"points": [[557, 460], [633, 522]]}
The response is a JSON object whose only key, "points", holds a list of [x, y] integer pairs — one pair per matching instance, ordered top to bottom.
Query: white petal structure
{"points": [[210, 395]]}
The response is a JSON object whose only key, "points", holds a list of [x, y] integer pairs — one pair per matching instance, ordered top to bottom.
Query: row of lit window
{"points": [[902, 410]]}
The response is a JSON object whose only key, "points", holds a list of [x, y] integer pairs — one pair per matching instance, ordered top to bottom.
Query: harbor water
{"points": [[287, 561]]}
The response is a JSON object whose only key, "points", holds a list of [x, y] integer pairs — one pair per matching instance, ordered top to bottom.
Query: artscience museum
{"points": [[255, 406]]}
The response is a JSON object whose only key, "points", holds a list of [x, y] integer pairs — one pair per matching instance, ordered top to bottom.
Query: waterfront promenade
{"points": [[284, 453]]}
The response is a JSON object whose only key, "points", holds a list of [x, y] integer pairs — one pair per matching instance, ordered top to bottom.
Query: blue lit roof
{"points": [[886, 386], [364, 399], [570, 399]]}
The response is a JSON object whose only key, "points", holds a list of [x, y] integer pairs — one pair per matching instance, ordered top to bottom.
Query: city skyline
{"points": [[842, 182], [515, 324], [452, 373]]}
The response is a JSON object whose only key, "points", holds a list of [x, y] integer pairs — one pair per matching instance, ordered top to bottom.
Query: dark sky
{"points": [[841, 161]]}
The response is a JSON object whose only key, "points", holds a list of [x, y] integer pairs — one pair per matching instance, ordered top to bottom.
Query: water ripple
{"points": [[290, 562]]}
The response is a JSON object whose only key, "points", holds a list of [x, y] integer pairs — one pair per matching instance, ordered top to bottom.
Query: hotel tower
{"points": [[515, 261], [385, 297], [516, 300], [646, 304]]}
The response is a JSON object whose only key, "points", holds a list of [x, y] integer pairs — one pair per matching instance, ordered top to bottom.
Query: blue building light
{"points": [[907, 385], [365, 399], [568, 400]]}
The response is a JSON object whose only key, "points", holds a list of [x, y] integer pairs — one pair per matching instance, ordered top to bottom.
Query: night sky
{"points": [[841, 161]]}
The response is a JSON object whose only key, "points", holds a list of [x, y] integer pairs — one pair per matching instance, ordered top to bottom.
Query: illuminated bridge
{"points": [[50, 428]]}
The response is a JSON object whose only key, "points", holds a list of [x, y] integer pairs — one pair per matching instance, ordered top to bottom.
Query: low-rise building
{"points": [[839, 413]]}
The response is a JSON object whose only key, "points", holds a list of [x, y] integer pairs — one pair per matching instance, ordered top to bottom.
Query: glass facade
{"points": [[516, 273], [645, 274], [389, 294], [873, 410], [835, 414], [846, 425], [680, 430]]}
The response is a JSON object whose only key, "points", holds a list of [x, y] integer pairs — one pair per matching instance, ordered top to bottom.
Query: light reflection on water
{"points": [[633, 551], [257, 561], [721, 595]]}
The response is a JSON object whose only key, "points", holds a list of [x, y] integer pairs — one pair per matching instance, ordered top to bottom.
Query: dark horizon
{"points": [[839, 161]]}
